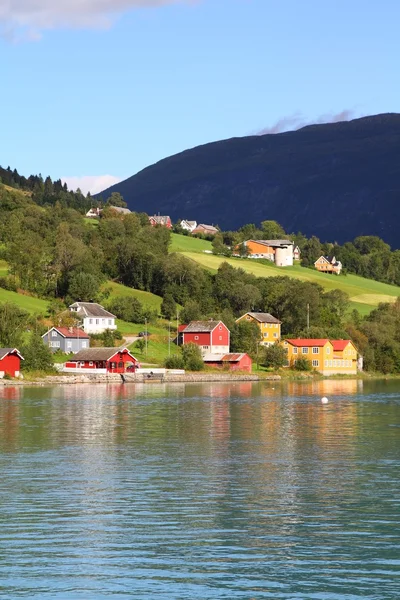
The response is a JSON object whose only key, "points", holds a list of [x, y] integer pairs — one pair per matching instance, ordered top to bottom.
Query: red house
{"points": [[165, 221], [213, 337], [103, 360], [10, 362], [233, 362]]}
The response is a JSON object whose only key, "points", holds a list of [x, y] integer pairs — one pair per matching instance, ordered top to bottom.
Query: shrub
{"points": [[7, 283], [274, 356], [192, 358], [174, 362], [303, 364]]}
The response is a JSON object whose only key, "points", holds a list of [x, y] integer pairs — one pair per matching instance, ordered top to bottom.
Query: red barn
{"points": [[165, 221], [213, 337], [104, 360], [10, 362], [235, 362]]}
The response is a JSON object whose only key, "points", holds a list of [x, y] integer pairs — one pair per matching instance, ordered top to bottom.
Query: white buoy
{"points": [[324, 400]]}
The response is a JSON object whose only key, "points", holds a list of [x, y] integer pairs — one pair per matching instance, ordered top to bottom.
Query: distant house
{"points": [[120, 210], [93, 213], [164, 221], [188, 225], [205, 229], [278, 251], [296, 253], [328, 264], [94, 318], [270, 327], [213, 337], [66, 339], [329, 357], [103, 360], [10, 362], [234, 362]]}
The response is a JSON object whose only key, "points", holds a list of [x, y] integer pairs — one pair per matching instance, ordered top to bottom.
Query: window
{"points": [[248, 318], [90, 321], [97, 321], [103, 321], [110, 321], [220, 327], [54, 333], [265, 335], [275, 335], [196, 337], [220, 337], [54, 344], [69, 344], [84, 345], [295, 350], [304, 350], [315, 350], [328, 350], [91, 363], [286, 363], [315, 363], [326, 363], [330, 363]]}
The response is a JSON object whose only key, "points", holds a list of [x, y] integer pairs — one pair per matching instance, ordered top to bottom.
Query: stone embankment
{"points": [[139, 378]]}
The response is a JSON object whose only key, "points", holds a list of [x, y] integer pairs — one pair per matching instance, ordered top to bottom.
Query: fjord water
{"points": [[206, 491]]}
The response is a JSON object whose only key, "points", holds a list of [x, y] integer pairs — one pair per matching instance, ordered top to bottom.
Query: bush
{"points": [[7, 283], [128, 309], [38, 356], [274, 356], [192, 358], [174, 362], [303, 364]]}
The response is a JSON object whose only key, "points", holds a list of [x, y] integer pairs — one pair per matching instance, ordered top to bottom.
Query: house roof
{"points": [[121, 210], [160, 220], [209, 228], [273, 243], [330, 259], [91, 309], [261, 317], [201, 326], [181, 328], [69, 332], [307, 342], [339, 345], [5, 351], [100, 354], [233, 357]]}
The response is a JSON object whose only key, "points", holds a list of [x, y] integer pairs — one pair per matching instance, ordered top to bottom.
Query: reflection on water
{"points": [[200, 491]]}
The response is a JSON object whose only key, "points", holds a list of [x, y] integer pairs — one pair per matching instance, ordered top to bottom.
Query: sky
{"points": [[93, 91]]}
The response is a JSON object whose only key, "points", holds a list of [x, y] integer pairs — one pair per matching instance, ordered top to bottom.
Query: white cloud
{"points": [[29, 18], [297, 121], [93, 184]]}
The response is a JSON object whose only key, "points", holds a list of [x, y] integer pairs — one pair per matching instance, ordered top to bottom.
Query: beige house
{"points": [[328, 264]]}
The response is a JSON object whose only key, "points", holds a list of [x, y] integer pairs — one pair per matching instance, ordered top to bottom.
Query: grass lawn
{"points": [[91, 221], [185, 243], [364, 294], [146, 298], [32, 305]]}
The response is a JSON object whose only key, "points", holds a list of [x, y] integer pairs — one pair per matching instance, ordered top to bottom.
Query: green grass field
{"points": [[184, 243], [365, 294], [146, 298], [28, 303]]}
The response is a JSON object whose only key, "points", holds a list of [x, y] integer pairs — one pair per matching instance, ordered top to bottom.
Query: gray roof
{"points": [[120, 209], [275, 243], [91, 309], [263, 317], [201, 326], [5, 351], [98, 353]]}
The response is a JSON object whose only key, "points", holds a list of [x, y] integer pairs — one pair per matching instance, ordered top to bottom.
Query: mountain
{"points": [[336, 181]]}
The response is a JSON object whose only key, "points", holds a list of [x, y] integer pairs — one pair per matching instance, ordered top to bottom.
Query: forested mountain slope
{"points": [[335, 181]]}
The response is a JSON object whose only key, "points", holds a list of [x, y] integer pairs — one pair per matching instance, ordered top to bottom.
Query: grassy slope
{"points": [[183, 243], [365, 294], [146, 298], [29, 303]]}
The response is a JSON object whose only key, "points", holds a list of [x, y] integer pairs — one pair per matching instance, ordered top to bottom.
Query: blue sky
{"points": [[95, 88]]}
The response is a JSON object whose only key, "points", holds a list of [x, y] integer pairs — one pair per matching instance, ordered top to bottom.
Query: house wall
{"points": [[261, 250], [284, 256], [98, 324], [270, 332], [200, 339], [220, 339], [67, 345], [329, 362], [117, 364], [244, 364], [11, 365]]}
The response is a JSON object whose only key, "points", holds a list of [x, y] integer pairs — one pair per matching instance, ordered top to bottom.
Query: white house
{"points": [[93, 213], [188, 225], [95, 318]]}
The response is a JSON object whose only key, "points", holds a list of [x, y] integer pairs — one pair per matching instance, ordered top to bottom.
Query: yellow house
{"points": [[269, 326], [329, 357]]}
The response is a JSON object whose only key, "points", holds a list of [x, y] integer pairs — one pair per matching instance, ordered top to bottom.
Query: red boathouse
{"points": [[103, 360], [10, 362], [233, 362]]}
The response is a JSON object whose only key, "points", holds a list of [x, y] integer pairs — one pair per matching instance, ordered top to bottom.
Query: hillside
{"points": [[335, 181], [365, 294]]}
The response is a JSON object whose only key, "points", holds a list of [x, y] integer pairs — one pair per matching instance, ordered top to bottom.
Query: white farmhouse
{"points": [[188, 225], [95, 318]]}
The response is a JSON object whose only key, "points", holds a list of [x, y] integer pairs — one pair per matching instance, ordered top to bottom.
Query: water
{"points": [[210, 491]]}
